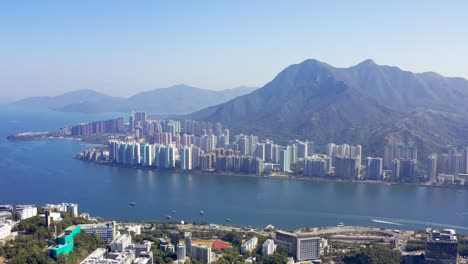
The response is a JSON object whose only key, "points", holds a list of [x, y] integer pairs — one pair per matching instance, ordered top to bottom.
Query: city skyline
{"points": [[119, 49]]}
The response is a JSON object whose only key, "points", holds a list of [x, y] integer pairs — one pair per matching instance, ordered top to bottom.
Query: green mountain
{"points": [[365, 104]]}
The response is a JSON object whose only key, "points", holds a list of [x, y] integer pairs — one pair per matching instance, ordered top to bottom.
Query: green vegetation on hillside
{"points": [[34, 238], [415, 245], [376, 254]]}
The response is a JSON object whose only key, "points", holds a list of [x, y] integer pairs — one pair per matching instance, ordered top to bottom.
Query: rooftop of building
{"points": [[23, 206], [4, 213], [97, 225], [5, 226], [73, 227], [298, 234], [444, 235], [122, 238], [251, 240], [59, 246], [200, 246], [141, 260]]}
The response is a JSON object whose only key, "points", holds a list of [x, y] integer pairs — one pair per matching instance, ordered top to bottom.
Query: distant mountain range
{"points": [[179, 99], [365, 104]]}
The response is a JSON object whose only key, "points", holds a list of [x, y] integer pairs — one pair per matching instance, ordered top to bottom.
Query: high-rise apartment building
{"points": [[285, 159], [316, 166], [347, 167], [432, 167], [374, 168], [268, 247], [441, 247], [202, 253]]}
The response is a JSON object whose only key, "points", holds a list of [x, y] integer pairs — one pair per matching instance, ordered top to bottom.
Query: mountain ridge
{"points": [[177, 99], [359, 104]]}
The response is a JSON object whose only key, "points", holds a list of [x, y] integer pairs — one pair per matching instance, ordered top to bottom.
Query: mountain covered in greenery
{"points": [[366, 104]]}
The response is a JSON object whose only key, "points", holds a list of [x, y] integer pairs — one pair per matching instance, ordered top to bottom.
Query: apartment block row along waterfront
{"points": [[190, 145]]}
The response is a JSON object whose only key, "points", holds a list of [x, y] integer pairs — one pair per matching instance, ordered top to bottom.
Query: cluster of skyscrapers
{"points": [[99, 127], [194, 145], [199, 145], [402, 160], [448, 166]]}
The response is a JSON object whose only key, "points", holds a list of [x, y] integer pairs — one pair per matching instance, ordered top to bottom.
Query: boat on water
{"points": [[132, 203], [173, 211], [202, 213], [168, 217], [228, 220], [340, 224]]}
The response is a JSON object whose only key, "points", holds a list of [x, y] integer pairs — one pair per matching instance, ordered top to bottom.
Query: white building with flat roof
{"points": [[70, 208], [26, 211], [56, 217], [131, 228], [5, 231], [106, 231], [121, 243], [249, 245], [304, 246], [268, 247], [308, 248], [181, 253], [95, 257], [99, 257], [125, 257], [144, 258]]}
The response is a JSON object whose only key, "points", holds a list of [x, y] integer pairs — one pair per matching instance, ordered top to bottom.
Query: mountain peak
{"points": [[313, 62], [367, 63], [182, 86]]}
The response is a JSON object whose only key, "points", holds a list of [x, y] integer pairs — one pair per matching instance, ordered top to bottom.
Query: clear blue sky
{"points": [[123, 47]]}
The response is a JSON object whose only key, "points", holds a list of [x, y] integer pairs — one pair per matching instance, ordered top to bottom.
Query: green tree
{"points": [[233, 237], [376, 254]]}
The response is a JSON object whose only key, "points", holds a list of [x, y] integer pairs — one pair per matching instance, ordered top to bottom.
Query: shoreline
{"points": [[34, 137], [279, 177]]}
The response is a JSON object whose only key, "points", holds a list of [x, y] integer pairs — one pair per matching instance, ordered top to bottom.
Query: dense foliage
{"points": [[34, 238], [234, 238], [415, 245], [463, 246], [376, 254]]}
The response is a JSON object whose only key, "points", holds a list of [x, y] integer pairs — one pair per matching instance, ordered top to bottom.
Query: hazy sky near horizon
{"points": [[124, 47]]}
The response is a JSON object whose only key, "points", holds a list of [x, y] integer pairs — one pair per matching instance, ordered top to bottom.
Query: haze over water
{"points": [[39, 172]]}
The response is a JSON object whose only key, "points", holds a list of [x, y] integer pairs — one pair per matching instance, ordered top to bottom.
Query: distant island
{"points": [[178, 99]]}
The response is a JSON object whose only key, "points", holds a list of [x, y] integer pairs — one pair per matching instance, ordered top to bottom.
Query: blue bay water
{"points": [[41, 172]]}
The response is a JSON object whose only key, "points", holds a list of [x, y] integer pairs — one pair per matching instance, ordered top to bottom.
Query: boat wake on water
{"points": [[385, 222]]}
